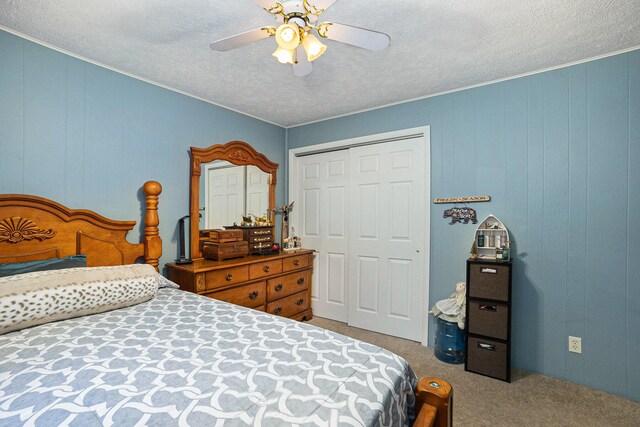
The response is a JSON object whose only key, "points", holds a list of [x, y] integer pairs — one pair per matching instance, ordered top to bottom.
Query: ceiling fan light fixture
{"points": [[288, 36], [313, 47], [284, 56]]}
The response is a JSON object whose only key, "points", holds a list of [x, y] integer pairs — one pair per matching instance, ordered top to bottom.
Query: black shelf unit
{"points": [[488, 318]]}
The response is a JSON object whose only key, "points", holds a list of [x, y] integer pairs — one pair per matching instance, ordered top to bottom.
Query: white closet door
{"points": [[225, 188], [257, 191], [322, 217], [386, 237]]}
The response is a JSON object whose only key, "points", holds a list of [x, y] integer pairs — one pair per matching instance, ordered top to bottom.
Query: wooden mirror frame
{"points": [[236, 152]]}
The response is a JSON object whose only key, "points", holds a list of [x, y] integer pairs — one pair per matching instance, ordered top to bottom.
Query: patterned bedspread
{"points": [[183, 359]]}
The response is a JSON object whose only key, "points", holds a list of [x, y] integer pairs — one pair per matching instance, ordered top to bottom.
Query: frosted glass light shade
{"points": [[288, 36], [313, 47], [285, 56]]}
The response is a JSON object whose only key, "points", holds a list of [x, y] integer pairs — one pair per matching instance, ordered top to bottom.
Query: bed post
{"points": [[152, 241], [434, 403]]}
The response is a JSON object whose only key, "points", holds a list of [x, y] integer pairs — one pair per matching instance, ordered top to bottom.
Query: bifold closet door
{"points": [[257, 192], [225, 196], [322, 206], [386, 237]]}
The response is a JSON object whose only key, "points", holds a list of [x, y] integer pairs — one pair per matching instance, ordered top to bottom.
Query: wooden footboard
{"points": [[434, 403]]}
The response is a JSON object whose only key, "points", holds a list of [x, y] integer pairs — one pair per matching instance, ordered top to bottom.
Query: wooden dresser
{"points": [[278, 284]]}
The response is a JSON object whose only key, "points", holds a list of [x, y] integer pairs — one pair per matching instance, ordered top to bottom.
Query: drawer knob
{"points": [[296, 262], [266, 268], [489, 270], [229, 277], [301, 281], [278, 287], [253, 295], [300, 301], [487, 307], [278, 310], [485, 346]]}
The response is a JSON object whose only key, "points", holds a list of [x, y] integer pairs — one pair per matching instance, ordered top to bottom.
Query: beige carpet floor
{"points": [[529, 400]]}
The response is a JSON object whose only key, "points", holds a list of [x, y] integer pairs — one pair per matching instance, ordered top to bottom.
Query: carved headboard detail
{"points": [[35, 228]]}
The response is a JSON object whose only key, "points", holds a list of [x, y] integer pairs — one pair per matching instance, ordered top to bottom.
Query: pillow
{"points": [[42, 265], [163, 282], [36, 298]]}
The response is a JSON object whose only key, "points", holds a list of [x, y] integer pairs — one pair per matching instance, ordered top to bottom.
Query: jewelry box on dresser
{"points": [[278, 284]]}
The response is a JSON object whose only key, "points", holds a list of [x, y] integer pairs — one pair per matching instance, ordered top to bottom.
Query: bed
{"points": [[176, 358]]}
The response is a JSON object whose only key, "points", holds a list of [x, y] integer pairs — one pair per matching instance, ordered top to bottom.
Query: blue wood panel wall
{"points": [[89, 138], [559, 152]]}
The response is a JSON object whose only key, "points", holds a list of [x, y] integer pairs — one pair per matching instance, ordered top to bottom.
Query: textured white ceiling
{"points": [[436, 46]]}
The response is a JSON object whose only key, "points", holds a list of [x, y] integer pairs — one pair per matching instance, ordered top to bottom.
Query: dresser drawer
{"points": [[260, 231], [261, 239], [259, 247], [295, 262], [263, 269], [225, 277], [490, 281], [288, 284], [252, 295], [290, 305], [489, 319], [488, 357]]}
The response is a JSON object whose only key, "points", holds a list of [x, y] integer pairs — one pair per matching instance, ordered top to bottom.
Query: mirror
{"points": [[241, 179], [229, 192]]}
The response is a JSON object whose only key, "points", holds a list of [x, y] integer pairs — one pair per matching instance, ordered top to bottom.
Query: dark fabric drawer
{"points": [[490, 281], [489, 319], [488, 357]]}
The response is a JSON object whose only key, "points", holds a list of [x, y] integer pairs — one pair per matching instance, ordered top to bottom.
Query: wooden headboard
{"points": [[35, 228]]}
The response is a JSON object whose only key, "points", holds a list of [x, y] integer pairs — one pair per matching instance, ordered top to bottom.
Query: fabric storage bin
{"points": [[490, 281], [490, 319], [488, 357]]}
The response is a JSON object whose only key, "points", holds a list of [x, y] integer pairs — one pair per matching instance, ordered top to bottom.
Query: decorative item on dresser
{"points": [[259, 238], [219, 245], [182, 257], [278, 284], [488, 337]]}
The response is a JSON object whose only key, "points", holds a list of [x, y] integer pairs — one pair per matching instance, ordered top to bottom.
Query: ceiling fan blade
{"points": [[270, 6], [316, 7], [360, 37], [242, 39], [302, 67]]}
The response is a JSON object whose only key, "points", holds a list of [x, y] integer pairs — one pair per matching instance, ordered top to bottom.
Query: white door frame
{"points": [[423, 132]]}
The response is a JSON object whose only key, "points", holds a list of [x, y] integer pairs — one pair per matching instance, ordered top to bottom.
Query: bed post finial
{"points": [[152, 239]]}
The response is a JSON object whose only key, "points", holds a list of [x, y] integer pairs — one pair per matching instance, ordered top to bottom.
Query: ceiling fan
{"points": [[296, 44]]}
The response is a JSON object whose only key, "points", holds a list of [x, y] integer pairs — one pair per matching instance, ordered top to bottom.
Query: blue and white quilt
{"points": [[185, 360]]}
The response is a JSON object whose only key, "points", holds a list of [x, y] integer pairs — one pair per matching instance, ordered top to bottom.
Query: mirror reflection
{"points": [[230, 192]]}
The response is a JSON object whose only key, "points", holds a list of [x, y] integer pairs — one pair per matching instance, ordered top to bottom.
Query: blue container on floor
{"points": [[449, 346]]}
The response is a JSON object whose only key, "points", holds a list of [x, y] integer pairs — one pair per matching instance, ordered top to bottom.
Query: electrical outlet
{"points": [[575, 344]]}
